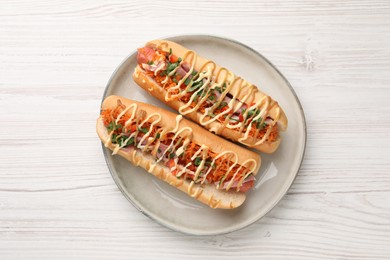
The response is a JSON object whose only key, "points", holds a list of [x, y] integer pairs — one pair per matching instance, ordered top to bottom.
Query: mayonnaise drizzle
{"points": [[217, 78], [181, 136]]}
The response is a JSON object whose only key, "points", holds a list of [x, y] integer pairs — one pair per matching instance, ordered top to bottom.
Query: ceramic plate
{"points": [[173, 208]]}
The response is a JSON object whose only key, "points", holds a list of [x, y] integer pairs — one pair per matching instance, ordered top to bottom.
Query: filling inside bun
{"points": [[201, 91], [130, 128]]}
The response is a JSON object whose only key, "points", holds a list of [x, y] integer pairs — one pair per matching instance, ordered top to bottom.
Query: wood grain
{"points": [[57, 198]]}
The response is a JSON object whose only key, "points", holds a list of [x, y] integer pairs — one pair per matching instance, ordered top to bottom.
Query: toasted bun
{"points": [[154, 89], [206, 194]]}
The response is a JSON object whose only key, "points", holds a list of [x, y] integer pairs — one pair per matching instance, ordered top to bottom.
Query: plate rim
{"points": [[285, 191]]}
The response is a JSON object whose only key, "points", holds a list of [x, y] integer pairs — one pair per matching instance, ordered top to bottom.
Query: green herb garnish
{"points": [[150, 62], [171, 67], [187, 81], [195, 86], [200, 93], [211, 97], [222, 105], [251, 113], [258, 123], [113, 126], [143, 130], [158, 136], [122, 140], [130, 141], [197, 161]]}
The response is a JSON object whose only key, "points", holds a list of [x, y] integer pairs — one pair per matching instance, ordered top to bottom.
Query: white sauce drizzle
{"points": [[206, 73], [181, 136]]}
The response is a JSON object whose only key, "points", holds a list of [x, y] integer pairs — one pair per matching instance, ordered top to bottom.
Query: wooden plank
{"points": [[57, 198]]}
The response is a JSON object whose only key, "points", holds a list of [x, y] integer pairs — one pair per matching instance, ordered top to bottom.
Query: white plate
{"points": [[174, 209]]}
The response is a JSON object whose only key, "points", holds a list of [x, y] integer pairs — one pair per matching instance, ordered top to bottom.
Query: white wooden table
{"points": [[57, 198]]}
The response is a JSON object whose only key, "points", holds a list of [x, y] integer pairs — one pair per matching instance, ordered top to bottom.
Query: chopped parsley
{"points": [[150, 62], [171, 67], [187, 81], [195, 86], [219, 89], [201, 94], [211, 97], [222, 105], [252, 112], [234, 119], [260, 125], [263, 125], [113, 126], [143, 130], [122, 140], [130, 141], [197, 161]]}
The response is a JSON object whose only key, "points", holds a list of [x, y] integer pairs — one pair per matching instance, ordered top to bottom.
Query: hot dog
{"points": [[210, 95], [199, 163]]}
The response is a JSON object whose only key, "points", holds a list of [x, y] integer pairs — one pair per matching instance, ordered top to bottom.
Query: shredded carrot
{"points": [[106, 114], [274, 133]]}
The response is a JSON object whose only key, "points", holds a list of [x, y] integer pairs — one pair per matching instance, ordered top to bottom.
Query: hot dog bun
{"points": [[274, 111], [205, 193]]}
